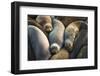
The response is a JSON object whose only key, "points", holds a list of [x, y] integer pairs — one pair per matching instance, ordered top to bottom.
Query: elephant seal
{"points": [[33, 22], [45, 22], [71, 33], [56, 36], [80, 41], [39, 44], [62, 54]]}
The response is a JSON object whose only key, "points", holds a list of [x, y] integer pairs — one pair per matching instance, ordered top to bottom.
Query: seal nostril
{"points": [[47, 26]]}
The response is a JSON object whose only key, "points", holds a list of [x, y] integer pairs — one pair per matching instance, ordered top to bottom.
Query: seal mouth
{"points": [[48, 27], [68, 44], [54, 48]]}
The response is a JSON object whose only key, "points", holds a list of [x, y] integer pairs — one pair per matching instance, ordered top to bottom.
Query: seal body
{"points": [[56, 36], [38, 44], [80, 45], [62, 54]]}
